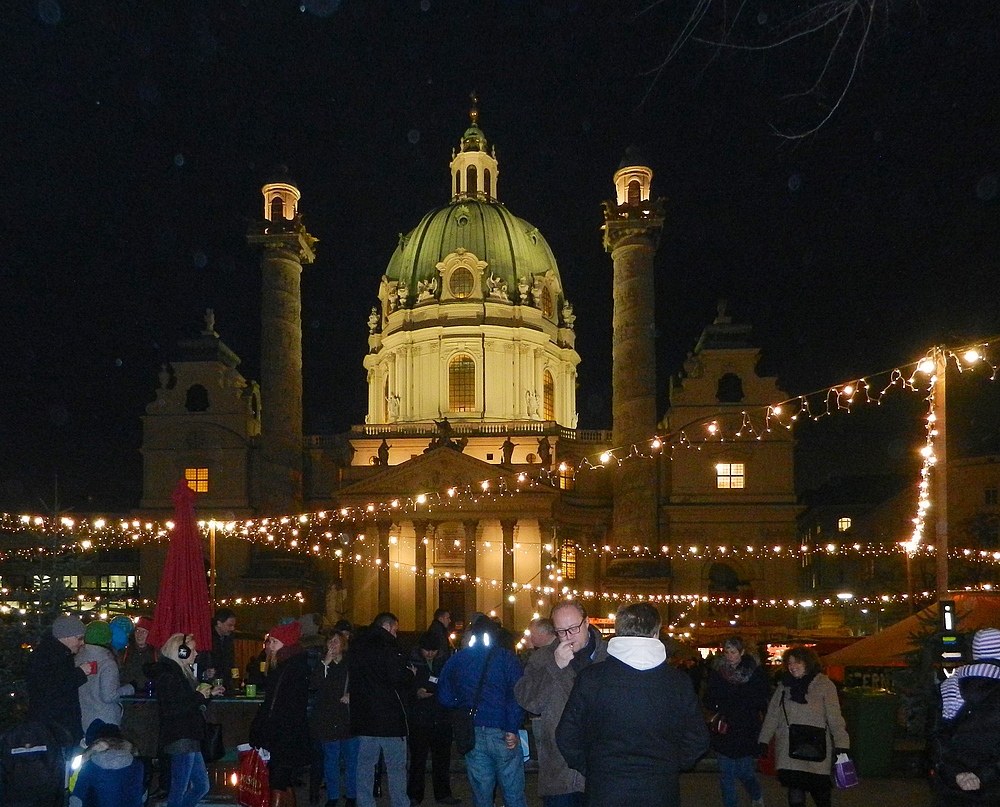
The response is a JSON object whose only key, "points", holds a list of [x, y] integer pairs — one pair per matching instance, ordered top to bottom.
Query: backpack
{"points": [[32, 766]]}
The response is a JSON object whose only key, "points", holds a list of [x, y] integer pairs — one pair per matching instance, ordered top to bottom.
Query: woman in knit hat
{"points": [[101, 696], [280, 722], [967, 737]]}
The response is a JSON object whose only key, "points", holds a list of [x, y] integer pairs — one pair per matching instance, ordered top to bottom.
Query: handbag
{"points": [[463, 720], [717, 724], [805, 743], [213, 748], [845, 775], [255, 788]]}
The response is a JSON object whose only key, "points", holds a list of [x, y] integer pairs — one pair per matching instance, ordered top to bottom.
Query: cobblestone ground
{"points": [[702, 790]]}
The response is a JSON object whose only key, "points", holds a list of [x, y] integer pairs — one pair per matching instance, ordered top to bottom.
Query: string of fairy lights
{"points": [[337, 534]]}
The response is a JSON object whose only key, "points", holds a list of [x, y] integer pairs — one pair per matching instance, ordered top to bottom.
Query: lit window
{"points": [[471, 182], [487, 183], [634, 193], [461, 283], [547, 307], [462, 384], [548, 396], [729, 475], [197, 479], [567, 479], [990, 496], [843, 524], [567, 560]]}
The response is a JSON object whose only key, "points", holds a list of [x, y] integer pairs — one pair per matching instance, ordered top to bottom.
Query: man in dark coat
{"points": [[439, 628], [221, 660], [53, 678], [380, 683], [632, 723], [430, 727]]}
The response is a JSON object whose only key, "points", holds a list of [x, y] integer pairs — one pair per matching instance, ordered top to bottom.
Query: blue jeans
{"points": [[394, 751], [492, 763], [331, 767], [742, 768], [188, 780]]}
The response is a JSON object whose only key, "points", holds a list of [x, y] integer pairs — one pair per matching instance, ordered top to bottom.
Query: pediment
{"points": [[433, 472]]}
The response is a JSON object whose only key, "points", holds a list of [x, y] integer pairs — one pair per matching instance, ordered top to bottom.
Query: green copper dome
{"points": [[512, 248]]}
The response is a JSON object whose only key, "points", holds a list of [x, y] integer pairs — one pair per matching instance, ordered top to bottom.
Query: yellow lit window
{"points": [[462, 384], [548, 397], [729, 476], [197, 479], [843, 524], [567, 560]]}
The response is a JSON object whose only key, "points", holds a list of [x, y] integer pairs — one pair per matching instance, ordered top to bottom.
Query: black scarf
{"points": [[583, 656], [797, 686]]}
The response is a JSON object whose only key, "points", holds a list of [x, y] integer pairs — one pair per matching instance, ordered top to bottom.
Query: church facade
{"points": [[472, 378]]}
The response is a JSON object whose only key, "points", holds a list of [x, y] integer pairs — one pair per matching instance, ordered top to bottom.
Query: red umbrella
{"points": [[183, 605]]}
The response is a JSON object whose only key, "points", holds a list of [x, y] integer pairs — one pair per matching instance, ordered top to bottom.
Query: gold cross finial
{"points": [[474, 112]]}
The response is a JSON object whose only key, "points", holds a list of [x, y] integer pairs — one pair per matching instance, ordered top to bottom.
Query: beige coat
{"points": [[543, 691], [822, 708]]}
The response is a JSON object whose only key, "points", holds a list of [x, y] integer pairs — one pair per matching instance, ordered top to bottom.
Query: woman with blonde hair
{"points": [[181, 701]]}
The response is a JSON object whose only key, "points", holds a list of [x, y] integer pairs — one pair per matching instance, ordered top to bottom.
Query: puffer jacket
{"points": [[380, 685], [740, 694], [101, 697], [110, 776]]}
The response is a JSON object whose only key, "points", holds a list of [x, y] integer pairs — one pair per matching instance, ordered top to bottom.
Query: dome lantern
{"points": [[474, 170]]}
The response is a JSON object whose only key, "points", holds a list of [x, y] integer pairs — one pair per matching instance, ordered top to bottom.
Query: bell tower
{"points": [[632, 226], [286, 246]]}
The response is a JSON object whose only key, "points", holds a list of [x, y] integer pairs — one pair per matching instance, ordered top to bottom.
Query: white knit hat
{"points": [[986, 644]]}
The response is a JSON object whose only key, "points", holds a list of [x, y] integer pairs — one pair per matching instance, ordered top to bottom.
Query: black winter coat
{"points": [[53, 681], [380, 685], [742, 704], [181, 707], [427, 711], [330, 720], [280, 724], [631, 732], [970, 742]]}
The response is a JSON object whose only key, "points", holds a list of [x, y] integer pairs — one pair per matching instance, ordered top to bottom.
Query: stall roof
{"points": [[889, 647]]}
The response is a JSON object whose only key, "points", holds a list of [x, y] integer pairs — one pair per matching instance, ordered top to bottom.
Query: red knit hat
{"points": [[144, 622], [287, 634]]}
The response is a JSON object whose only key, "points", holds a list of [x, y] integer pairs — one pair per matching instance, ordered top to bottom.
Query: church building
{"points": [[481, 492]]}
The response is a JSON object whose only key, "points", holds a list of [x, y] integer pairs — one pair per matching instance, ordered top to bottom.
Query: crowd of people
{"points": [[614, 721]]}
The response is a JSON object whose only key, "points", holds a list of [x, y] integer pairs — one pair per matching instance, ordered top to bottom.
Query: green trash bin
{"points": [[871, 723]]}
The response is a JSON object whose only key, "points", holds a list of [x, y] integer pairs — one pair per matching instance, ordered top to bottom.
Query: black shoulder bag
{"points": [[463, 720], [805, 743]]}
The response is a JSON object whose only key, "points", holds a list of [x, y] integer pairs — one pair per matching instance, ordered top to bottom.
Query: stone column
{"points": [[631, 235], [279, 477], [384, 528], [420, 583], [469, 587], [507, 611]]}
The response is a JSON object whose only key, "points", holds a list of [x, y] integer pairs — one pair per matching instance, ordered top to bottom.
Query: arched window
{"points": [[471, 181], [458, 182], [487, 183], [634, 192], [277, 209], [461, 283], [547, 307], [461, 384], [730, 388], [548, 396], [196, 399]]}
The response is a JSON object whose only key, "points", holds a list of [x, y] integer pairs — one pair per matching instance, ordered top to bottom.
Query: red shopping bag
{"points": [[254, 788]]}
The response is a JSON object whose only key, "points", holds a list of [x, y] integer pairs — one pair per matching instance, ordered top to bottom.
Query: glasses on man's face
{"points": [[562, 633]]}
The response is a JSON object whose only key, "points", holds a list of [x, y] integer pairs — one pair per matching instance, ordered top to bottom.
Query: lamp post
{"points": [[939, 430], [211, 561]]}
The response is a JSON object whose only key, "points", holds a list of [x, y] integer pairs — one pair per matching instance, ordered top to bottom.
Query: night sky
{"points": [[137, 134]]}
